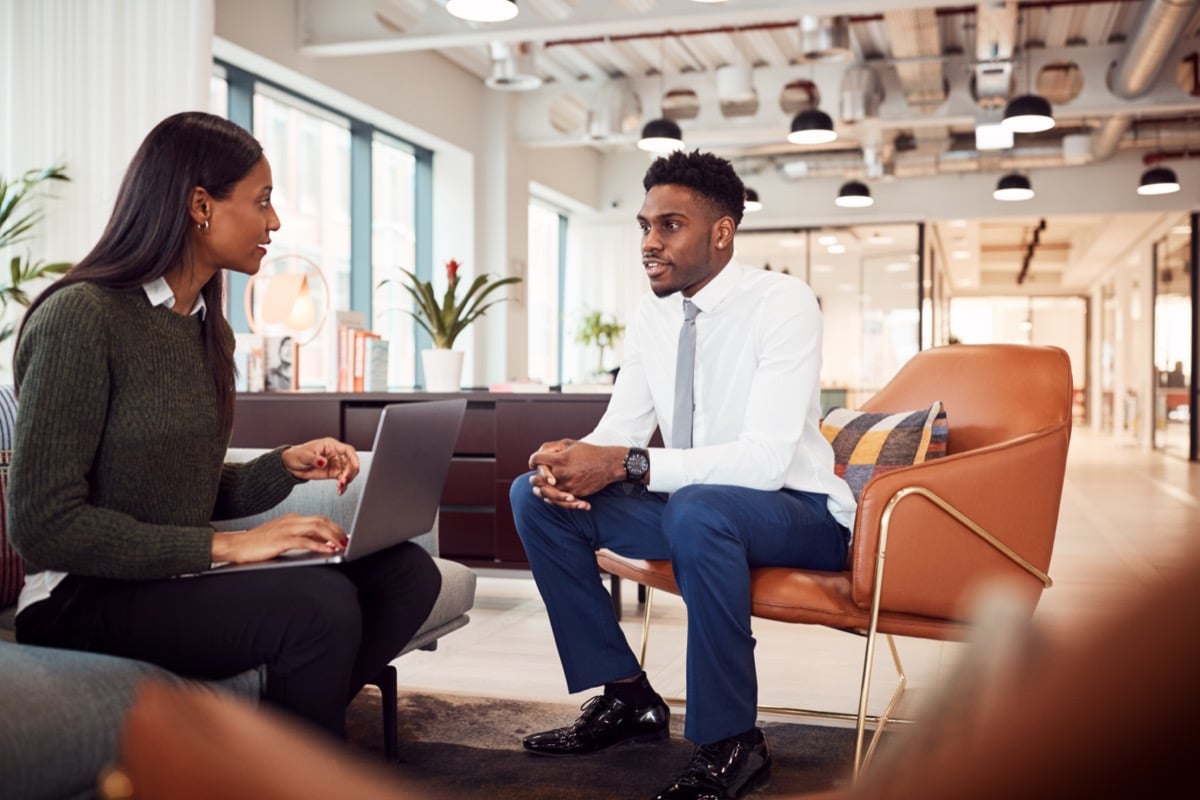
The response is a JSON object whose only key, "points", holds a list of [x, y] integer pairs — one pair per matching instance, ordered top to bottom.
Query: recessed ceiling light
{"points": [[826, 238], [836, 249], [961, 255], [898, 266]]}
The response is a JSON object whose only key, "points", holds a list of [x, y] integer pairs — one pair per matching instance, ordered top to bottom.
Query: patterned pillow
{"points": [[866, 444], [12, 571]]}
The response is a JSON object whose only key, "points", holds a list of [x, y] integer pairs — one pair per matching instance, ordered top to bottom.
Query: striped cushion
{"points": [[865, 444], [12, 571]]}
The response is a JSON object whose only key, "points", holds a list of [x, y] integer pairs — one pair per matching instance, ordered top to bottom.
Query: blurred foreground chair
{"points": [[985, 512]]}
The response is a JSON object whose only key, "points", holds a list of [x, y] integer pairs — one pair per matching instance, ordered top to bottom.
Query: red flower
{"points": [[452, 272]]}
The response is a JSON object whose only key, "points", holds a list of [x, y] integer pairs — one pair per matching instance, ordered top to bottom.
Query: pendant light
{"points": [[483, 10], [1030, 112], [812, 127], [662, 135], [1158, 180], [1013, 187], [854, 194], [752, 202]]}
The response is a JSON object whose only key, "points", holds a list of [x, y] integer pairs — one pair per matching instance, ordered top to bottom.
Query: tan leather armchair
{"points": [[927, 537]]}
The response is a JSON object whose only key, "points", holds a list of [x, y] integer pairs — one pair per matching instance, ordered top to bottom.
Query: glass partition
{"points": [[865, 278], [1173, 340]]}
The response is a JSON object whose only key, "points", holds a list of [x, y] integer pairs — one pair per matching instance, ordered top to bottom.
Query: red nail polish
{"points": [[320, 462]]}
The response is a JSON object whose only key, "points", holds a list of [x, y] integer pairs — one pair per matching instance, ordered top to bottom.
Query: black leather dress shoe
{"points": [[605, 721], [723, 770]]}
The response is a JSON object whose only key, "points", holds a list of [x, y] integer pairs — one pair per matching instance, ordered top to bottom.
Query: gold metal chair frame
{"points": [[861, 718]]}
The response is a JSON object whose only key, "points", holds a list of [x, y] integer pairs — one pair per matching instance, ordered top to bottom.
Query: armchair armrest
{"points": [[316, 497], [933, 562]]}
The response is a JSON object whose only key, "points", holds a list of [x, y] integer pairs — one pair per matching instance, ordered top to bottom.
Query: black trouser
{"points": [[321, 631]]}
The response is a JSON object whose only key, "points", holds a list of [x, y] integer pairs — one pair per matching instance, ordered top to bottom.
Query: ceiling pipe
{"points": [[1158, 27], [1169, 155]]}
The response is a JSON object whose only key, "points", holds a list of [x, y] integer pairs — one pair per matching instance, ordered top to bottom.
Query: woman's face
{"points": [[239, 228]]}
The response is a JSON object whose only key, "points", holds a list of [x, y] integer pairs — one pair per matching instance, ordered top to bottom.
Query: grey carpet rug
{"points": [[460, 746]]}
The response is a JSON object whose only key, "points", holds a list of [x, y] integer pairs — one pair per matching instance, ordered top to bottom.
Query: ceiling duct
{"points": [[1159, 25], [995, 35], [825, 39], [917, 50], [512, 67], [735, 90], [860, 94], [616, 112]]}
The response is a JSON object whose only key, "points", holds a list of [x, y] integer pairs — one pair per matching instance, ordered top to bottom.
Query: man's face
{"points": [[683, 243]]}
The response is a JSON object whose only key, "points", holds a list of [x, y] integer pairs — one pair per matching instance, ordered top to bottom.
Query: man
{"points": [[747, 481]]}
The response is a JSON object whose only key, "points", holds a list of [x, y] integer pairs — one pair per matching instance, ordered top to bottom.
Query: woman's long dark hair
{"points": [[149, 230]]}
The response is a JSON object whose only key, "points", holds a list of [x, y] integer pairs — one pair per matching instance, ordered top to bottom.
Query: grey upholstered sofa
{"points": [[61, 710]]}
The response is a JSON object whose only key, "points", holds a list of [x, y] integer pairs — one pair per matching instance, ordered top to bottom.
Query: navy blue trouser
{"points": [[713, 535]]}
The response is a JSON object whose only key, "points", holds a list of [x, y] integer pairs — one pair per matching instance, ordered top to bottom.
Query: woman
{"points": [[126, 379]]}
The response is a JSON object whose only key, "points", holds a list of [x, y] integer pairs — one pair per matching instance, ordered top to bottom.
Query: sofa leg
{"points": [[389, 702]]}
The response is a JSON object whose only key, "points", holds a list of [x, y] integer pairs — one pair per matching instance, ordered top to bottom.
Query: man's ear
{"points": [[200, 205], [723, 230]]}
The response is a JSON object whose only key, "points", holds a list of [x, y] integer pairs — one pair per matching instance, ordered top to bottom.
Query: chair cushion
{"points": [[866, 444], [12, 570]]}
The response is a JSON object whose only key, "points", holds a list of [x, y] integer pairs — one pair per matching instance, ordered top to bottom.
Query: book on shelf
{"points": [[361, 356], [340, 375]]}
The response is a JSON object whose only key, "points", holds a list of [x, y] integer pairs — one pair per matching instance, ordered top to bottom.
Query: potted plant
{"points": [[19, 215], [446, 317], [599, 331]]}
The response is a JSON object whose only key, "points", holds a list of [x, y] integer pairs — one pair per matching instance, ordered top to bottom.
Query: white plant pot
{"points": [[443, 370]]}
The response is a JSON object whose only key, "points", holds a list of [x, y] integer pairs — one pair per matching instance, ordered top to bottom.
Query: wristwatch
{"points": [[637, 464]]}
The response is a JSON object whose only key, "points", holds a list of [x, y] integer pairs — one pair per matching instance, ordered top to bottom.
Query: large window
{"points": [[309, 151], [347, 198], [393, 249], [546, 249]]}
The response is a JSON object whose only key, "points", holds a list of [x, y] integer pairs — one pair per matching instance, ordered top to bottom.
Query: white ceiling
{"points": [[1122, 76]]}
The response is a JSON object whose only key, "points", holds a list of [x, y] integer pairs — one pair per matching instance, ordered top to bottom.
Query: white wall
{"points": [[82, 83]]}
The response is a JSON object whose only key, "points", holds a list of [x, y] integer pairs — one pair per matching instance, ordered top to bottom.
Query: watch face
{"points": [[637, 462]]}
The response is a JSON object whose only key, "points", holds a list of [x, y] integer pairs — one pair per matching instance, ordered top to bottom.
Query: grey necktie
{"points": [[685, 370]]}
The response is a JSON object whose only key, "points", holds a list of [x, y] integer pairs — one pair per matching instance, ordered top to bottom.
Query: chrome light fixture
{"points": [[483, 10], [1029, 113], [812, 127], [661, 136], [1158, 180], [1012, 187], [854, 194], [752, 202]]}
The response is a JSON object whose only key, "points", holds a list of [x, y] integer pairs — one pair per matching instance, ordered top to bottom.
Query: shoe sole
{"points": [[645, 738]]}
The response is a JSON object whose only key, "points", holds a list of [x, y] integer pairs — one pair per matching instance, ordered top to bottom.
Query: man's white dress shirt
{"points": [[757, 389]]}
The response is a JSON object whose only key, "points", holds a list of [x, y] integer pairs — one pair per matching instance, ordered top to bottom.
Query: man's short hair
{"points": [[710, 176]]}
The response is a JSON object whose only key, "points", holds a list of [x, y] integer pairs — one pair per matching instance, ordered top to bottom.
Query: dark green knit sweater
{"points": [[118, 453]]}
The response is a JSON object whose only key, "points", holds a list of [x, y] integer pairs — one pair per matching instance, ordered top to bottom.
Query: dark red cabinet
{"points": [[498, 433]]}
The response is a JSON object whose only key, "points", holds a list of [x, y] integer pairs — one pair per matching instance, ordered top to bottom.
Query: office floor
{"points": [[1125, 516]]}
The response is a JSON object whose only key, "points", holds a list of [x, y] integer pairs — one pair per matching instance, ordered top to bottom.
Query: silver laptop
{"points": [[402, 485]]}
